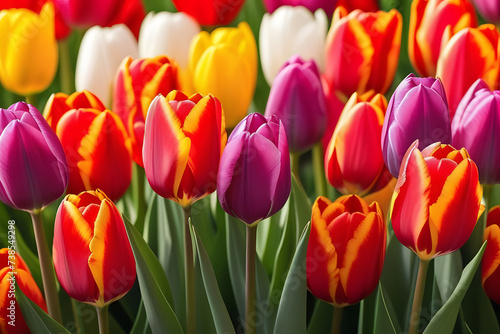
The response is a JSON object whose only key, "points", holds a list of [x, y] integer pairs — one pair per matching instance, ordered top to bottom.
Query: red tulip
{"points": [[210, 12], [490, 271]]}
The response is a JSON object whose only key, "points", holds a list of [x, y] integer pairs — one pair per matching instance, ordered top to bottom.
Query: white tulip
{"points": [[291, 31], [168, 34], [101, 52]]}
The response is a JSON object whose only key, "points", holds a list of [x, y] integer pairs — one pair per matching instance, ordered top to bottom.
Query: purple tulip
{"points": [[327, 5], [489, 10], [297, 99], [418, 109], [475, 127], [33, 168], [254, 178]]}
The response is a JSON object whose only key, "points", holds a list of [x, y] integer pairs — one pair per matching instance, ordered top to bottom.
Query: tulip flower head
{"points": [[311, 5], [364, 5], [489, 10], [210, 12], [84, 14], [432, 24], [291, 31], [28, 49], [471, 54], [224, 63], [297, 99], [416, 110], [475, 127], [183, 142], [354, 163], [34, 171], [254, 179], [437, 200], [346, 249], [91, 251], [13, 270], [490, 271]]}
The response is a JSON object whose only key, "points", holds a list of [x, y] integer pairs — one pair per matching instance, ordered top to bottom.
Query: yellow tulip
{"points": [[28, 49], [224, 63]]}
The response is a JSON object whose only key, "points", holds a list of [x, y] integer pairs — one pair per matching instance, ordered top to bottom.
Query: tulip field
{"points": [[250, 166]]}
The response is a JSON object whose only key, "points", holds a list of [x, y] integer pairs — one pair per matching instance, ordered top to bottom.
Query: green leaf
{"points": [[448, 269], [154, 286], [292, 310], [220, 315], [37, 320], [321, 320], [386, 320], [444, 320], [141, 325]]}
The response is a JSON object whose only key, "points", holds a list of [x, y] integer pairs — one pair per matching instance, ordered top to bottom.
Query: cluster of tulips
{"points": [[173, 157]]}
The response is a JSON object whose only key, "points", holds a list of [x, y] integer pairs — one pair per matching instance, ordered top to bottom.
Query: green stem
{"points": [[65, 70], [30, 99], [295, 164], [319, 169], [139, 182], [487, 188], [46, 267], [189, 274], [250, 279], [418, 296], [77, 316], [103, 319], [337, 319]]}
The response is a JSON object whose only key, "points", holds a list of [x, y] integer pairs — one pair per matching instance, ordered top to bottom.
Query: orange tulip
{"points": [[432, 24], [362, 50], [470, 54], [353, 162], [437, 200], [346, 249], [91, 250], [490, 270], [11, 318]]}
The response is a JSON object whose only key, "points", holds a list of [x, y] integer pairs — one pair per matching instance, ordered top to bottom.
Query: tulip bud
{"points": [[311, 5], [364, 5], [489, 10], [210, 12], [87, 13], [432, 24], [291, 31], [28, 49], [362, 50], [101, 52], [472, 53], [224, 63], [297, 99], [417, 110], [475, 127], [183, 142], [353, 162], [34, 171], [254, 178], [437, 200], [346, 249], [91, 266], [14, 271], [490, 273]]}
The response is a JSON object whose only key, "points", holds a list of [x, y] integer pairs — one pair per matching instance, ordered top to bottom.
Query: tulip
{"points": [[311, 5], [364, 5], [489, 10], [210, 12], [87, 13], [131, 13], [432, 24], [291, 31], [28, 50], [362, 50], [100, 54], [470, 54], [224, 63], [137, 83], [297, 99], [417, 110], [475, 127], [183, 142], [98, 150], [353, 162], [34, 171], [254, 179], [437, 200], [346, 249], [11, 262], [91, 266], [490, 273]]}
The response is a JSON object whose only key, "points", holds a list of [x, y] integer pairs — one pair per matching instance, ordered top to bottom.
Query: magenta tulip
{"points": [[327, 5], [489, 10], [33, 168], [254, 178]]}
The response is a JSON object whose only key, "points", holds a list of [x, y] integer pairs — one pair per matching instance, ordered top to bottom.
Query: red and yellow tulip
{"points": [[432, 24], [137, 83], [183, 142], [353, 162], [437, 200], [346, 249], [91, 250], [490, 271]]}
